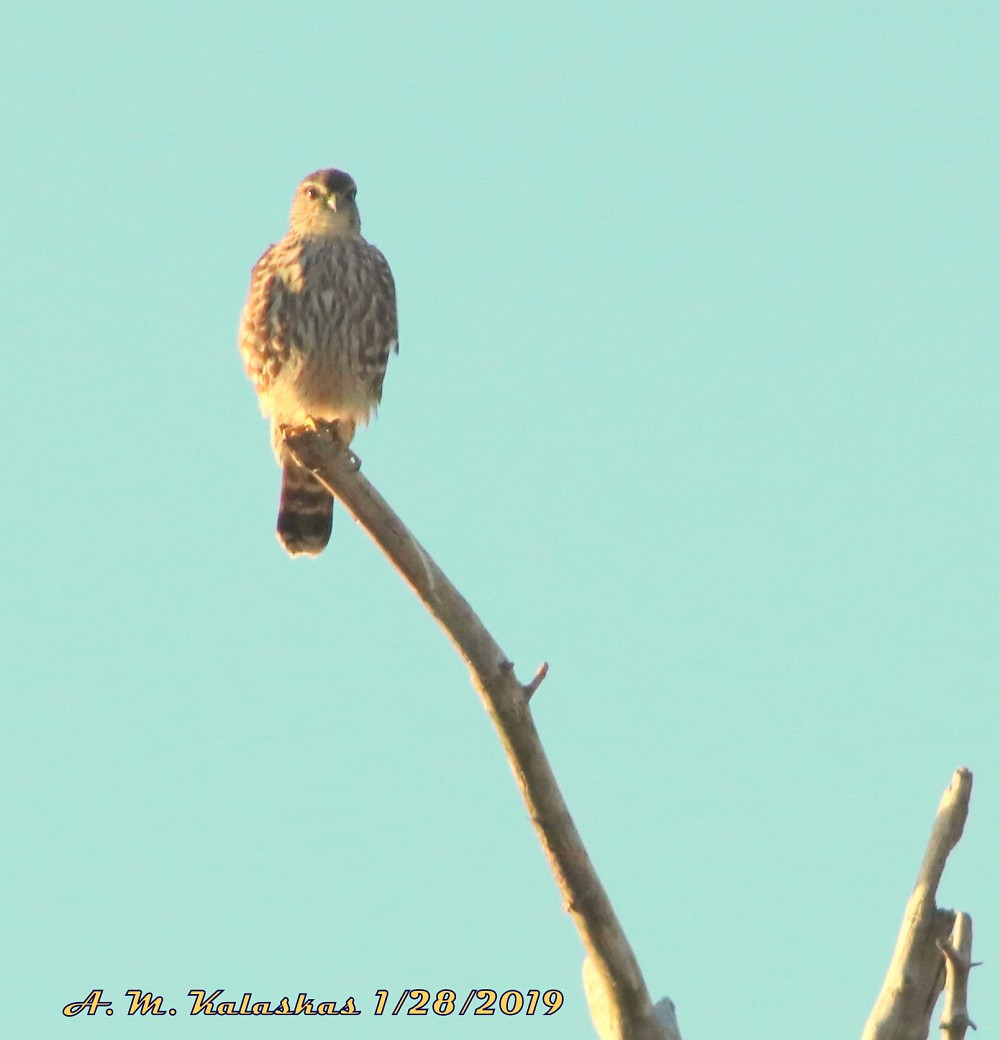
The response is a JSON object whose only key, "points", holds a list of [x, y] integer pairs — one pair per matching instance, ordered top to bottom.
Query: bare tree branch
{"points": [[506, 701], [957, 951], [916, 972]]}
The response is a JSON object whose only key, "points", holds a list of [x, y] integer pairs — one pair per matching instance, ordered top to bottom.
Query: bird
{"points": [[315, 335]]}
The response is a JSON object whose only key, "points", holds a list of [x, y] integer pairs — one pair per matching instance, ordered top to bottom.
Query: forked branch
{"points": [[917, 971]]}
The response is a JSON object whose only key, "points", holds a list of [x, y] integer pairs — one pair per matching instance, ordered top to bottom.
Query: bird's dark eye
{"points": [[312, 192], [351, 193]]}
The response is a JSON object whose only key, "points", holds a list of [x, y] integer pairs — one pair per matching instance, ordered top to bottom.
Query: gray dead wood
{"points": [[957, 950], [917, 970], [625, 999]]}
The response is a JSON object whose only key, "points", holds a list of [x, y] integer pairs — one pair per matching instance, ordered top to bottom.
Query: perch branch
{"points": [[506, 701], [916, 973]]}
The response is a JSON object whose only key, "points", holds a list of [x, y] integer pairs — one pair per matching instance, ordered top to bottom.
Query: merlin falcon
{"points": [[315, 335]]}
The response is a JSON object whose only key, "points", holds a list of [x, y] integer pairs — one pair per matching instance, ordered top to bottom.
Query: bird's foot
{"points": [[332, 428]]}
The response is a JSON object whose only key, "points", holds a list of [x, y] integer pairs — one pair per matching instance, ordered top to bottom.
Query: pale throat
{"points": [[329, 225]]}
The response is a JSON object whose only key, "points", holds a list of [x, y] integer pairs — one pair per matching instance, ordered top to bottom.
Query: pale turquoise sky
{"points": [[697, 400]]}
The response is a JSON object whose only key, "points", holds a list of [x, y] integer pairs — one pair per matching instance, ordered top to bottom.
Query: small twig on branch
{"points": [[543, 670], [506, 701], [957, 950], [916, 973]]}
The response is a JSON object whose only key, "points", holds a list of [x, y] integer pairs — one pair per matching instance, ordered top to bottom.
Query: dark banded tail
{"points": [[305, 511]]}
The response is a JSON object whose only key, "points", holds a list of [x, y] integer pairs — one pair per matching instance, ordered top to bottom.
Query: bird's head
{"points": [[324, 204]]}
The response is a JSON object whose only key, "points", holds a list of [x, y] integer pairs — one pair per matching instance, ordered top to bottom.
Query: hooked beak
{"points": [[332, 202]]}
